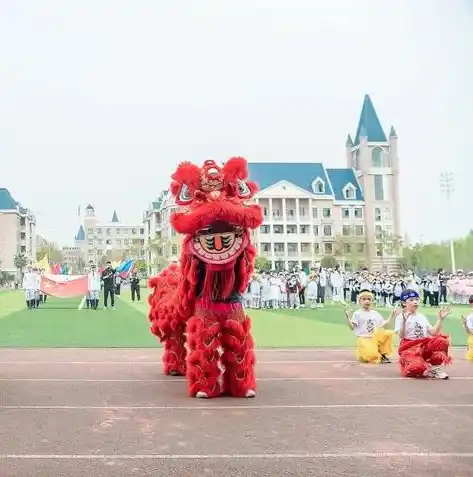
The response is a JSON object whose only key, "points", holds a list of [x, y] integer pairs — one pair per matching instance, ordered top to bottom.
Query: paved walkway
{"points": [[78, 412]]}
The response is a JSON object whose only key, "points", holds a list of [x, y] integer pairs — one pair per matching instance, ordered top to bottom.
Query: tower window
{"points": [[377, 157], [318, 186], [378, 187]]}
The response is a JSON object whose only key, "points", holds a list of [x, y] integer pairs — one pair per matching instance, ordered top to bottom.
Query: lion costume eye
{"points": [[243, 189], [184, 195]]}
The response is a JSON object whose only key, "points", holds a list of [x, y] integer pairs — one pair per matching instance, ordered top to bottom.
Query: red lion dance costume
{"points": [[196, 308]]}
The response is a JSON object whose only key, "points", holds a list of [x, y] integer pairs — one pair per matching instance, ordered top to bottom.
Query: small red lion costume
{"points": [[196, 306]]}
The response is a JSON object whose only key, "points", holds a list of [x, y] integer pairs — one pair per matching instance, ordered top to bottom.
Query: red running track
{"points": [[80, 412]]}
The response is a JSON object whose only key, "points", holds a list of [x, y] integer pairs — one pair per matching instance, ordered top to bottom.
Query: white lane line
{"points": [[154, 363], [183, 380], [242, 406], [345, 455]]}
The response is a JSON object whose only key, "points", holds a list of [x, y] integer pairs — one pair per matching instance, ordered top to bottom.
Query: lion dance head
{"points": [[216, 212]]}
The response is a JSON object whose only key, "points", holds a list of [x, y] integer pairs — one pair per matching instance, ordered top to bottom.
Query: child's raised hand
{"points": [[444, 312]]}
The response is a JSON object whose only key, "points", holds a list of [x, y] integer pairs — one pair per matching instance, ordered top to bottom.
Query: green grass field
{"points": [[59, 323]]}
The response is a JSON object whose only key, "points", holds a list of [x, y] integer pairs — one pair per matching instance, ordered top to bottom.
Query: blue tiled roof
{"points": [[369, 124], [393, 132], [301, 174], [339, 178], [7, 202], [115, 216], [80, 234]]}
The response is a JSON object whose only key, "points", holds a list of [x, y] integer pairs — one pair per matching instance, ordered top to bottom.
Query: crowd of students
{"points": [[295, 289]]}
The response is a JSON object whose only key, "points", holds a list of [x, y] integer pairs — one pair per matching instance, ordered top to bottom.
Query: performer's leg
{"points": [[138, 293], [385, 342], [367, 350], [436, 353], [469, 354], [238, 355], [174, 357], [412, 362], [204, 373]]}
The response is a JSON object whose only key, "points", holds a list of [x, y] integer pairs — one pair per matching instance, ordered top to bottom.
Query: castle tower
{"points": [[374, 156]]}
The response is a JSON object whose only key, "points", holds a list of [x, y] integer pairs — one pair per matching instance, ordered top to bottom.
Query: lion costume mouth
{"points": [[219, 243]]}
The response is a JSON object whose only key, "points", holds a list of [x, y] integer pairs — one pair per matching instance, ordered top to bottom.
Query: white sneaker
{"points": [[437, 372], [201, 395]]}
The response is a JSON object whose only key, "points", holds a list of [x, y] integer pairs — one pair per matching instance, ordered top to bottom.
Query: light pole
{"points": [[447, 188]]}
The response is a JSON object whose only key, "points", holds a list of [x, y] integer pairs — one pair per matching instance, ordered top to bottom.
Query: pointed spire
{"points": [[369, 125], [392, 133], [349, 142], [115, 217], [80, 234]]}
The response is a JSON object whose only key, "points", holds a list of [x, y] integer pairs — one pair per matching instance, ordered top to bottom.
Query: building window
{"points": [[377, 157], [355, 159], [318, 186], [378, 187], [349, 192], [265, 211], [302, 211], [314, 213], [327, 213], [345, 213], [358, 213], [387, 213], [377, 214], [265, 229], [278, 229], [292, 229], [304, 229], [316, 230], [327, 230], [346, 230], [359, 230], [91, 231], [378, 231], [266, 247], [279, 247], [360, 247], [316, 248], [328, 248], [346, 248], [174, 250]]}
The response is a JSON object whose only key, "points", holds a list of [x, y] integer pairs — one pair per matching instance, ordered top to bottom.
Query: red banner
{"points": [[65, 289]]}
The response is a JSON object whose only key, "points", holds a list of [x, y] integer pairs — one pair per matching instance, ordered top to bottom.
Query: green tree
{"points": [[20, 261], [328, 261], [262, 263]]}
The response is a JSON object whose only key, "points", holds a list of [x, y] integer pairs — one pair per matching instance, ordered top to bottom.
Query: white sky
{"points": [[100, 99]]}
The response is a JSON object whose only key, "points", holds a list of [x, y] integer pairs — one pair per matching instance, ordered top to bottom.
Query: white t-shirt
{"points": [[365, 322], [469, 322], [417, 326]]}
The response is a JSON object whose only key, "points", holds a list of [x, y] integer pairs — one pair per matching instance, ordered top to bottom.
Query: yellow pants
{"points": [[369, 350], [469, 353]]}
